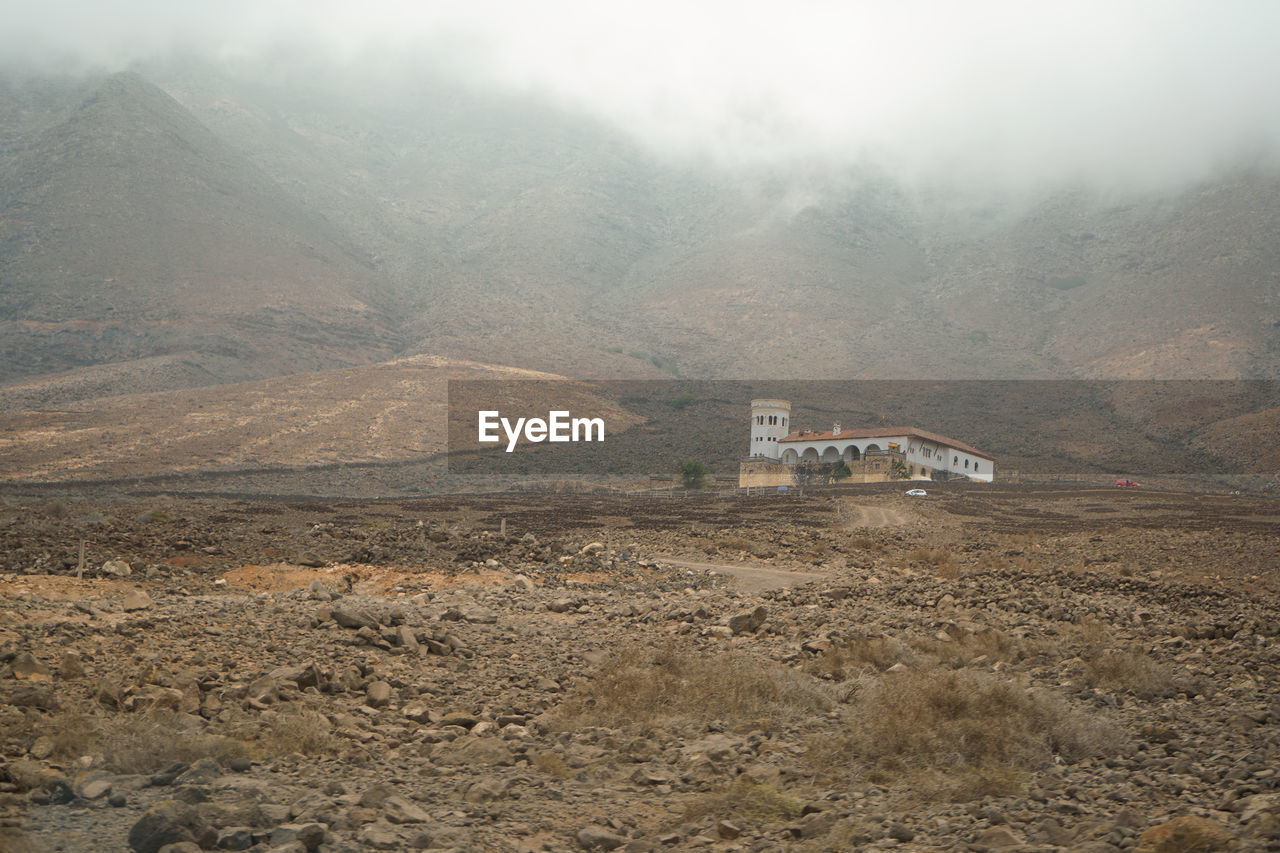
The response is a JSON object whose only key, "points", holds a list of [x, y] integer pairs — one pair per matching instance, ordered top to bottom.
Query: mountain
{"points": [[185, 226], [131, 230], [519, 231]]}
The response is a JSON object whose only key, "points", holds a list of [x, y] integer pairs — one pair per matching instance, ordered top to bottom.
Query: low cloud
{"points": [[997, 94]]}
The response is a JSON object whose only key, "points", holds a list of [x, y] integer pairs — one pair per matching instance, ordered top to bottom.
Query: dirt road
{"points": [[752, 579]]}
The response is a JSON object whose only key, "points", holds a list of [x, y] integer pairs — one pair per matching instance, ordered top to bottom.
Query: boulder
{"points": [[354, 617], [749, 623], [27, 668], [378, 694], [170, 823]]}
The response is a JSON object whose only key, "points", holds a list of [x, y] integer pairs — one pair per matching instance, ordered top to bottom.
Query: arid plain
{"points": [[987, 668]]}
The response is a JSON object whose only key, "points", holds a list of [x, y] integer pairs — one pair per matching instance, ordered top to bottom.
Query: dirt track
{"points": [[751, 578]]}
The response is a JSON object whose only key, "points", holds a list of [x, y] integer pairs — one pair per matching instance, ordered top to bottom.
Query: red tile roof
{"points": [[891, 432]]}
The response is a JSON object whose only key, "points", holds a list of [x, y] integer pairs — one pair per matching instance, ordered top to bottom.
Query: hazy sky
{"points": [[1011, 93]]}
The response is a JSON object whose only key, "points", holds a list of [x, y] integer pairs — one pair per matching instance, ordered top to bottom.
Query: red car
{"points": [[1127, 484]]}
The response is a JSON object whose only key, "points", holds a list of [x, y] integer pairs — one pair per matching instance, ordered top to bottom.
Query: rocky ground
{"points": [[987, 668]]}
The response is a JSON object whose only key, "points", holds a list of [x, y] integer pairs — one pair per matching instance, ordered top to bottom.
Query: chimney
{"points": [[835, 430]]}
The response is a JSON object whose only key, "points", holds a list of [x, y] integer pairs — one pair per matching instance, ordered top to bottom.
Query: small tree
{"points": [[898, 470], [841, 471], [810, 474], [693, 475]]}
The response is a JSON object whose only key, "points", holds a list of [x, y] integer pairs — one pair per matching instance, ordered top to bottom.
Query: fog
{"points": [[1005, 95]]}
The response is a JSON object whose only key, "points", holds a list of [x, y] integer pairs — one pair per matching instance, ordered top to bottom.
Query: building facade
{"points": [[872, 455]]}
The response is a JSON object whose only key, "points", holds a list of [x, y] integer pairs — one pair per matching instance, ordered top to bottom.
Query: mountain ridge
{"points": [[180, 228]]}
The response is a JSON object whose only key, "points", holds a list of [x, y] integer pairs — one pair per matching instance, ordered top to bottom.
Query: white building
{"points": [[777, 446]]}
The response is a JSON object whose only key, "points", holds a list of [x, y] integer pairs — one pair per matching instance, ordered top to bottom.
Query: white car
{"points": [[917, 493]]}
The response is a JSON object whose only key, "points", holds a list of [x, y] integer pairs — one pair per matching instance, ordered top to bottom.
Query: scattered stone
{"points": [[117, 569], [136, 600], [353, 617], [748, 623], [406, 638], [70, 667], [27, 668], [377, 694], [40, 696], [459, 718], [41, 748], [203, 772], [94, 787], [486, 790], [59, 791], [398, 809], [170, 823], [813, 825], [899, 832], [1189, 832], [309, 835], [379, 835], [595, 837], [999, 837], [235, 838]]}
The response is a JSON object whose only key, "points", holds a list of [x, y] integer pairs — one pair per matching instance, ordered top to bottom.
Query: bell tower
{"points": [[770, 422]]}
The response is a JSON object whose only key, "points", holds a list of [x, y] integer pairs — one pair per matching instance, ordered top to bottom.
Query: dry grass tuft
{"points": [[863, 542], [943, 563], [1092, 635], [987, 645], [847, 658], [1130, 670], [645, 687], [302, 731], [958, 734], [146, 743], [550, 763], [747, 801]]}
